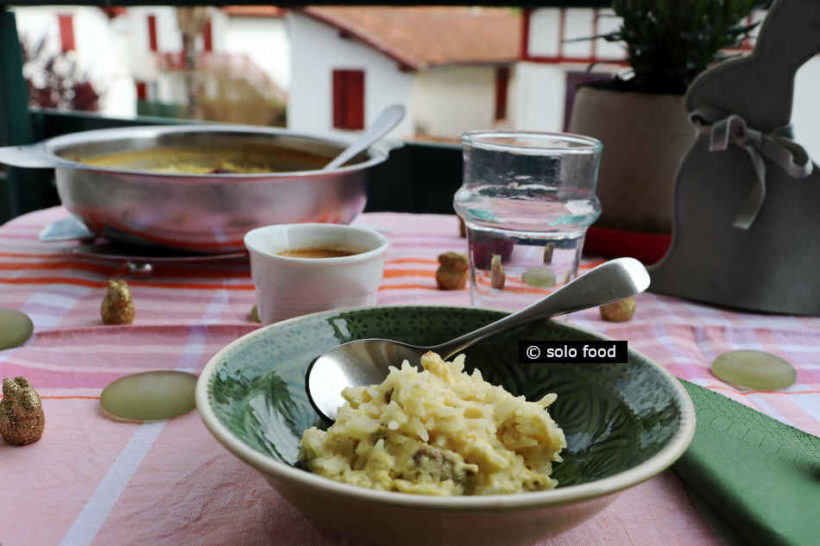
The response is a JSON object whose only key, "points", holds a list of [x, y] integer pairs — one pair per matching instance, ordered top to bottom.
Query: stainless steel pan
{"points": [[206, 213]]}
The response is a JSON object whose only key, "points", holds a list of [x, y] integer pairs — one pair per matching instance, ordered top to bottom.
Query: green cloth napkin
{"points": [[761, 476]]}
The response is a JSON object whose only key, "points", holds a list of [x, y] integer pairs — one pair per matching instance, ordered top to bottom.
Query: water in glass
{"points": [[527, 200]]}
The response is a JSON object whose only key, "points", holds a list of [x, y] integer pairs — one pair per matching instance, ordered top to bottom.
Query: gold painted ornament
{"points": [[549, 250], [452, 271], [497, 276], [117, 307], [21, 413]]}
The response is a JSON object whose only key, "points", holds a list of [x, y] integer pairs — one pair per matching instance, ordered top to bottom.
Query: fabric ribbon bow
{"points": [[777, 147]]}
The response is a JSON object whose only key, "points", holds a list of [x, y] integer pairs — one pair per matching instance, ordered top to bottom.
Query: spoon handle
{"points": [[389, 118], [611, 281]]}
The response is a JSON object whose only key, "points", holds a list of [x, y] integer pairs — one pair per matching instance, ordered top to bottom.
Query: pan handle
{"points": [[33, 156]]}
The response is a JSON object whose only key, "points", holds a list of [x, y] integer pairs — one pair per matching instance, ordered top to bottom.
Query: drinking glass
{"points": [[526, 200]]}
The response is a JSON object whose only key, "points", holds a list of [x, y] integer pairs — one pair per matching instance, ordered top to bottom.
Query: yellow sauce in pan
{"points": [[252, 159], [183, 160]]}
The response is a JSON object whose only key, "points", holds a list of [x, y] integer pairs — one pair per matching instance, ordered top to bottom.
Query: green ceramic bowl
{"points": [[624, 423]]}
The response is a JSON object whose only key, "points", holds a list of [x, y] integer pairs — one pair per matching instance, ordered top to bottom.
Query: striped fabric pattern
{"points": [[90, 480]]}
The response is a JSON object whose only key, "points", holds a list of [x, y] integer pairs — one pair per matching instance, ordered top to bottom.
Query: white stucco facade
{"points": [[578, 23], [264, 40], [317, 50], [143, 60], [540, 87], [538, 97], [449, 100], [806, 109]]}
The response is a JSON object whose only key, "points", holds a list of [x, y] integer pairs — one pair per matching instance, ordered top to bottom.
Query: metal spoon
{"points": [[389, 118], [366, 361]]}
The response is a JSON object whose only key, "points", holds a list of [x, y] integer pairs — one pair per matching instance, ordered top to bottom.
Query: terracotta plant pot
{"points": [[645, 137]]}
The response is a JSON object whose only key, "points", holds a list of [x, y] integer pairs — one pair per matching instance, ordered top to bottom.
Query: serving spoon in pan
{"points": [[384, 123], [366, 361]]}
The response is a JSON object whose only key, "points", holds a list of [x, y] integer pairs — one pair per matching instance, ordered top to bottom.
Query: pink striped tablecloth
{"points": [[91, 480]]}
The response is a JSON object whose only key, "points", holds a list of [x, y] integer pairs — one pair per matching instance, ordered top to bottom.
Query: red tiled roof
{"points": [[254, 11], [418, 37]]}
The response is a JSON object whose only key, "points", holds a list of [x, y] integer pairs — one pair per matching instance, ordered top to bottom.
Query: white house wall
{"points": [[607, 23], [578, 24], [220, 25], [545, 28], [169, 35], [169, 38], [265, 41], [316, 50], [167, 86], [538, 92], [538, 97], [450, 100], [805, 109]]}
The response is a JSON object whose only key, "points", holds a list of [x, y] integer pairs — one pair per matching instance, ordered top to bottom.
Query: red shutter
{"points": [[66, 32], [152, 32], [525, 34], [207, 37], [502, 80], [142, 90], [338, 99], [348, 99], [355, 99]]}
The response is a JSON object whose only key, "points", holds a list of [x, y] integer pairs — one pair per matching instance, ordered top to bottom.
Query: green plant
{"points": [[669, 42]]}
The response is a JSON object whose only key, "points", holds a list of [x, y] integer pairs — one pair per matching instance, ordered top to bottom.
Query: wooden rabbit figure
{"points": [[747, 197]]}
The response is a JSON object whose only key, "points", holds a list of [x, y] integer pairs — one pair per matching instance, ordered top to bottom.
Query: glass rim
{"points": [[488, 140]]}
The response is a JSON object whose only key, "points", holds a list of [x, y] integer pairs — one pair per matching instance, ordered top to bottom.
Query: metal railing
{"points": [[238, 65]]}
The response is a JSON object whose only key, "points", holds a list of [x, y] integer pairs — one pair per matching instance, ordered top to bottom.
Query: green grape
{"points": [[540, 277], [618, 311], [253, 316], [15, 328], [754, 370], [149, 396]]}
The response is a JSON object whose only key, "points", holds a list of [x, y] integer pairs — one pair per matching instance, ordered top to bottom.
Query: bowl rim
{"points": [[492, 140], [377, 152], [359, 257], [552, 497]]}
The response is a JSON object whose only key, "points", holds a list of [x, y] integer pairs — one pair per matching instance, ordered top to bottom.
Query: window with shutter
{"points": [[348, 99]]}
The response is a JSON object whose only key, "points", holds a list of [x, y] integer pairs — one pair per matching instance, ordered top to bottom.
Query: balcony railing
{"points": [[237, 65]]}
